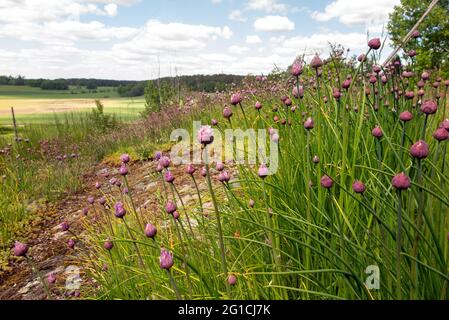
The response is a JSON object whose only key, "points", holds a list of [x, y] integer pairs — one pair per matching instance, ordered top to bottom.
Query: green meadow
{"points": [[37, 106]]}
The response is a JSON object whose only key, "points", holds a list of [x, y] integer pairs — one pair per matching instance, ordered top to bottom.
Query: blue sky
{"points": [[132, 39]]}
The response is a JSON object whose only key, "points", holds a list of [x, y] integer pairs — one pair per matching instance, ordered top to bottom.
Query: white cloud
{"points": [[270, 6], [111, 9], [350, 12], [237, 15], [274, 23], [65, 32], [158, 37], [253, 39], [319, 43], [237, 49]]}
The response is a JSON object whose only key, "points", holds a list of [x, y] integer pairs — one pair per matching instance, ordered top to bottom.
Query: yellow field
{"points": [[36, 106], [29, 110]]}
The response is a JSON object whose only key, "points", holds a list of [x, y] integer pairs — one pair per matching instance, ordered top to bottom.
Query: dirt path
{"points": [[48, 244]]}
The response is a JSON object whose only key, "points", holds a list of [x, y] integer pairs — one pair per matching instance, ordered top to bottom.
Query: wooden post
{"points": [[14, 124]]}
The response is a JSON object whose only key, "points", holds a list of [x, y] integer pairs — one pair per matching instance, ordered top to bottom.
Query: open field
{"points": [[32, 110]]}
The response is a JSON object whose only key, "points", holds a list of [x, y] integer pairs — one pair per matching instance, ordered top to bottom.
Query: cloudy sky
{"points": [[130, 39]]}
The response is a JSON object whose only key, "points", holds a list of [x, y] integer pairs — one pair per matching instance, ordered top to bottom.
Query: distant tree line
{"points": [[207, 83], [62, 84], [125, 88]]}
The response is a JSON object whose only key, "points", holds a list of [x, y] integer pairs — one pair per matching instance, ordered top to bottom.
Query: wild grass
{"points": [[305, 232]]}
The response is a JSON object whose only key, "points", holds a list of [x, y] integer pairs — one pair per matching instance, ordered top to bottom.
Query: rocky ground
{"points": [[48, 244]]}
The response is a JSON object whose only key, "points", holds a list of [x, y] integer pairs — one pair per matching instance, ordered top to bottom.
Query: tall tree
{"points": [[433, 46]]}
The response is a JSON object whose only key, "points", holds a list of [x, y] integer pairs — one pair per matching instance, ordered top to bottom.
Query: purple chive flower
{"points": [[416, 34], [374, 43], [411, 53], [361, 58], [316, 62], [297, 68], [377, 69], [425, 76], [346, 84], [420, 84], [298, 93], [336, 94], [409, 95], [236, 98], [288, 102], [258, 105], [429, 107], [227, 112], [406, 116], [214, 122], [309, 124], [445, 124], [271, 131], [377, 132], [441, 134], [205, 135], [275, 137], [420, 150], [157, 155], [124, 158], [316, 160], [164, 162], [220, 166], [159, 168], [190, 169], [123, 170], [263, 171], [203, 172], [224, 176], [169, 177], [113, 181], [401, 181], [326, 182], [118, 183], [97, 185], [358, 187], [125, 191], [90, 200], [102, 201], [251, 203], [170, 207], [119, 210], [85, 211], [176, 215], [64, 226], [150, 231], [71, 243], [108, 245], [20, 249], [166, 260], [51, 278], [232, 280]]}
